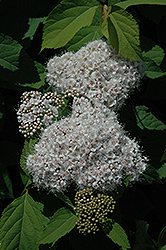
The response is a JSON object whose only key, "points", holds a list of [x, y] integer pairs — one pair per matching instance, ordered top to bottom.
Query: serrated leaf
{"points": [[128, 3], [65, 21], [33, 25], [127, 31], [86, 34], [9, 52], [156, 54], [145, 119], [27, 150], [162, 171], [62, 222], [21, 225], [118, 236]]}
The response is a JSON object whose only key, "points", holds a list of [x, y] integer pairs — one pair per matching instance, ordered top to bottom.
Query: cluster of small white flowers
{"points": [[96, 71], [37, 111], [90, 148]]}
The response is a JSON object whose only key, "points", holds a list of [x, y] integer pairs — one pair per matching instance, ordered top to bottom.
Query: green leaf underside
{"points": [[128, 3], [33, 25], [58, 33], [127, 40], [9, 52], [156, 54], [145, 119], [162, 171], [62, 222], [21, 224], [118, 236]]}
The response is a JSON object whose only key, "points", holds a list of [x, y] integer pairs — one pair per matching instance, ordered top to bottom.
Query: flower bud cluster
{"points": [[96, 71], [38, 110], [92, 210]]}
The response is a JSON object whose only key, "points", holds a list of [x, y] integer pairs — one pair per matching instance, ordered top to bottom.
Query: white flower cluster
{"points": [[96, 71], [37, 111], [90, 148]]}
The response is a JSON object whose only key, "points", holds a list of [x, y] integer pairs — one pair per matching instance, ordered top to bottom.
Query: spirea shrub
{"points": [[96, 71], [89, 148]]}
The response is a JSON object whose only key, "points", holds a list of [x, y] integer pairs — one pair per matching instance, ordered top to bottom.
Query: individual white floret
{"points": [[96, 71], [90, 148]]}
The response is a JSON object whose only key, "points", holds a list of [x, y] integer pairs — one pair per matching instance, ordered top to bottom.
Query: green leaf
{"points": [[128, 3], [65, 21], [33, 25], [86, 34], [112, 35], [83, 36], [127, 40], [9, 53], [156, 54], [152, 70], [41, 71], [27, 73], [2, 110], [145, 119], [27, 150], [163, 158], [162, 171], [150, 176], [6, 190], [64, 198], [45, 218], [62, 222], [21, 225], [118, 236], [162, 237], [143, 240], [163, 248]]}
